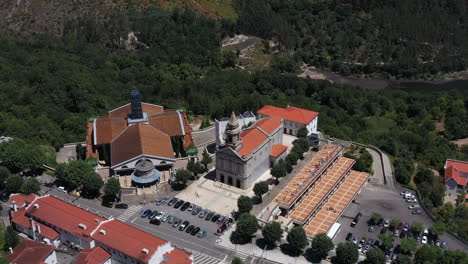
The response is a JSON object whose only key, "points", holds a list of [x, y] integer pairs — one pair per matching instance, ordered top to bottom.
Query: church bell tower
{"points": [[233, 138]]}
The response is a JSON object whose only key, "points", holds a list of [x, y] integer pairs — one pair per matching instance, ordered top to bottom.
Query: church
{"points": [[139, 139], [247, 154]]}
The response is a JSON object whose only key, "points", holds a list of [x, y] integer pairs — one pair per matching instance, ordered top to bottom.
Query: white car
{"points": [[62, 189], [405, 193], [409, 196], [414, 200], [413, 206], [160, 215], [386, 223], [424, 240], [359, 247]]}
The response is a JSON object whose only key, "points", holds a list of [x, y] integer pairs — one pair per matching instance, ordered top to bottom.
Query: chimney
{"points": [[135, 100], [36, 205], [15, 207], [82, 226], [33, 228], [38, 229], [102, 232], [11, 250], [145, 251]]}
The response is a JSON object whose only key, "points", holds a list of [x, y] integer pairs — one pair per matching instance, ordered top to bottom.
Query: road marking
{"points": [[129, 213], [133, 220], [200, 258]]}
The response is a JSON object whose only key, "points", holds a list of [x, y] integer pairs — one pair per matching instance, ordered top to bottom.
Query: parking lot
{"points": [[391, 205]]}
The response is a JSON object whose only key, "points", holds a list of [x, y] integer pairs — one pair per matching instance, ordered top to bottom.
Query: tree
{"points": [[302, 132], [300, 145], [17, 155], [292, 158], [206, 159], [279, 170], [4, 173], [73, 174], [182, 176], [13, 183], [92, 184], [30, 185], [112, 187], [260, 188], [244, 204], [375, 218], [394, 223], [246, 226], [417, 227], [437, 229], [272, 232], [11, 238], [297, 240], [387, 240], [320, 245], [408, 245], [346, 253], [427, 255], [375, 256], [403, 259], [237, 260]]}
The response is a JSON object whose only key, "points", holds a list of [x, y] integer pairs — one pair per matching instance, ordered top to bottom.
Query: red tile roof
{"points": [[124, 111], [290, 113], [169, 122], [269, 124], [141, 139], [251, 139], [277, 150], [458, 170], [21, 200], [64, 215], [20, 219], [128, 240], [30, 252], [95, 255], [177, 257]]}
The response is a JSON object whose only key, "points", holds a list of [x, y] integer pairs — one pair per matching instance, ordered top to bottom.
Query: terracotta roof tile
{"points": [[124, 111], [290, 113], [169, 122], [269, 124], [140, 139], [251, 139], [277, 150], [458, 170], [21, 200], [64, 215], [20, 219], [128, 240], [30, 252], [95, 255], [177, 257]]}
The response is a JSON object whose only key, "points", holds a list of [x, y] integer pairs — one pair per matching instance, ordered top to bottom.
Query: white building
{"points": [[293, 118], [245, 119]]}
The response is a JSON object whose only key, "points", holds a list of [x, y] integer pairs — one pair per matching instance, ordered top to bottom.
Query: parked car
{"points": [[62, 189], [405, 193], [409, 196], [164, 200], [414, 200], [172, 201], [159, 202], [179, 204], [121, 206], [185, 206], [413, 206], [191, 207], [196, 210], [418, 212], [145, 213], [203, 213], [153, 214], [160, 215], [209, 216], [164, 218], [215, 218], [170, 219], [221, 220], [356, 220], [155, 222], [176, 222], [380, 222], [386, 222], [184, 225], [400, 226], [405, 227], [189, 228], [371, 228], [383, 230], [195, 231], [397, 232], [202, 234], [349, 237], [355, 240], [424, 240], [369, 242], [376, 243], [443, 244], [359, 247]]}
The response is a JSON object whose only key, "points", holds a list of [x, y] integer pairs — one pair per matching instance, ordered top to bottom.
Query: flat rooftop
{"points": [[307, 176], [321, 189], [337, 203]]}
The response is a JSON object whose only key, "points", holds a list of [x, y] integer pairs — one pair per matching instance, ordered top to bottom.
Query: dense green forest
{"points": [[393, 39], [50, 87]]}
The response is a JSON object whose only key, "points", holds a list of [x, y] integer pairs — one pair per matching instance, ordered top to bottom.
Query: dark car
{"points": [[172, 201], [178, 204], [121, 206], [185, 206], [196, 210], [146, 213], [153, 214], [209, 216], [215, 218], [221, 220], [356, 220], [155, 222], [176, 222], [380, 222], [184, 225], [189, 228], [383, 230], [195, 231], [349, 236], [376, 243]]}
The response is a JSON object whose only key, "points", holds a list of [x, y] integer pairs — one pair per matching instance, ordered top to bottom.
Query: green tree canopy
{"points": [[302, 132], [18, 155], [206, 159], [279, 170], [4, 173], [74, 173], [182, 176], [14, 183], [92, 184], [30, 185], [112, 187], [260, 188], [244, 204], [246, 226], [417, 226], [437, 229], [272, 232], [11, 238], [297, 240], [387, 240], [320, 245], [408, 245], [346, 253], [427, 255], [375, 256], [237, 260]]}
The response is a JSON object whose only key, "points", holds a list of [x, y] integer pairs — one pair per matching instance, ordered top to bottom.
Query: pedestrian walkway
{"points": [[129, 212], [200, 258]]}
